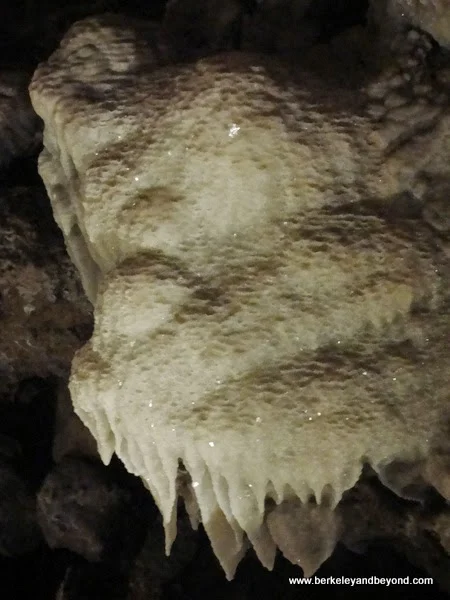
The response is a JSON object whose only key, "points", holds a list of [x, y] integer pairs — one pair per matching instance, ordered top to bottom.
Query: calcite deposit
{"points": [[271, 309]]}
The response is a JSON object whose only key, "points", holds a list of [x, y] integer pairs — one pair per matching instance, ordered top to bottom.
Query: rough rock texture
{"points": [[20, 131], [251, 233], [44, 314], [83, 508]]}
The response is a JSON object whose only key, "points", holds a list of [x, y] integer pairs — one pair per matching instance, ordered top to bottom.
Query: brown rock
{"points": [[44, 314], [83, 508]]}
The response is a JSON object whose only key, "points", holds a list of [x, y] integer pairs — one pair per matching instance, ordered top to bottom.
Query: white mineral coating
{"points": [[257, 314]]}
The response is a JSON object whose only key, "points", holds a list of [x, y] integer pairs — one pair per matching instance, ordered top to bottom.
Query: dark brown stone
{"points": [[84, 508], [19, 532]]}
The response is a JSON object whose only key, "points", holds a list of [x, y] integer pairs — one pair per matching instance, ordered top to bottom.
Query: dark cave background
{"points": [[29, 32]]}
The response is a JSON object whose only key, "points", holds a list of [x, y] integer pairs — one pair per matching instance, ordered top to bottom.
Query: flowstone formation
{"points": [[271, 310]]}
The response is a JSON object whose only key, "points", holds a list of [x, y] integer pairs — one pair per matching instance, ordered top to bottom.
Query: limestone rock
{"points": [[270, 309], [45, 315], [82, 507], [305, 534]]}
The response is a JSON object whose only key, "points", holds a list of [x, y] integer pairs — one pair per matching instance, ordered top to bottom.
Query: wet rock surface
{"points": [[99, 534]]}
